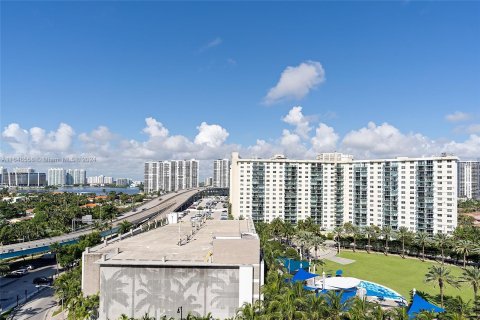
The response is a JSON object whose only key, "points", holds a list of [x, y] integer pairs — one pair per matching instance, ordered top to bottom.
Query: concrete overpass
{"points": [[156, 208]]}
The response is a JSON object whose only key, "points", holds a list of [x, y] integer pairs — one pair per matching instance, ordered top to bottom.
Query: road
{"points": [[141, 213], [13, 287], [37, 308]]}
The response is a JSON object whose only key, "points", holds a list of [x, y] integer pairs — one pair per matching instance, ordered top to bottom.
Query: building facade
{"points": [[221, 173], [170, 175], [22, 177], [57, 177], [76, 177], [469, 179], [417, 193]]}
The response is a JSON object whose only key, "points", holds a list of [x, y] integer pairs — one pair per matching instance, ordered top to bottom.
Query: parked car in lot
{"points": [[42, 281]]}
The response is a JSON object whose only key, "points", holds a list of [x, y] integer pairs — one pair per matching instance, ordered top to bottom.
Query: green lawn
{"points": [[401, 275]]}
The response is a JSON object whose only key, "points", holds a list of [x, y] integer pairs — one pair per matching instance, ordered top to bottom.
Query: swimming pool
{"points": [[374, 289]]}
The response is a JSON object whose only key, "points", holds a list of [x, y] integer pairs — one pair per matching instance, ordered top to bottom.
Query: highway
{"points": [[168, 202]]}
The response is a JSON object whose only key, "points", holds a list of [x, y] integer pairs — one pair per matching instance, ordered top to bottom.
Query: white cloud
{"points": [[211, 44], [296, 82], [457, 116], [296, 118], [155, 128], [211, 135], [16, 137], [325, 139], [56, 141], [386, 141], [469, 149], [125, 157]]}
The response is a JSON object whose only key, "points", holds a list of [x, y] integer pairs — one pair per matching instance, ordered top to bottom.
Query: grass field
{"points": [[401, 275]]}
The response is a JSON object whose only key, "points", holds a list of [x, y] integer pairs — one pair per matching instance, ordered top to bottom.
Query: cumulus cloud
{"points": [[296, 82], [457, 116], [296, 118], [155, 128], [212, 135], [16, 137], [325, 139], [59, 140], [386, 140], [468, 149], [125, 157]]}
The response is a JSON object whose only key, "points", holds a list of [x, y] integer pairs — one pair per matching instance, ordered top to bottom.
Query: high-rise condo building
{"points": [[221, 173], [170, 175], [57, 177], [76, 177], [469, 179], [417, 193]]}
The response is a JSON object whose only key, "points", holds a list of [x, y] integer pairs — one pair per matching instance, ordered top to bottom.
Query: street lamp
{"points": [[180, 310]]}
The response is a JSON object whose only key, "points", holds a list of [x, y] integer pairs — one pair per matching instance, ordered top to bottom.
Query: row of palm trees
{"points": [[409, 241]]}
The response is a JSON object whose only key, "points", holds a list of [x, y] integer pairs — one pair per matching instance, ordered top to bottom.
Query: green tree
{"points": [[124, 226], [338, 232], [371, 232], [387, 234], [403, 236], [422, 239], [442, 241], [464, 247], [440, 275], [471, 276]]}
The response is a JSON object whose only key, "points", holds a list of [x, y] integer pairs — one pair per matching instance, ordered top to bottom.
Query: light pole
{"points": [[180, 310]]}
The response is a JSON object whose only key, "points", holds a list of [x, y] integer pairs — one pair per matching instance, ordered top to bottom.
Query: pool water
{"points": [[374, 289]]}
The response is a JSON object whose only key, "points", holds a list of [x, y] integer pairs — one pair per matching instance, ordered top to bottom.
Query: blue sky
{"points": [[403, 67]]}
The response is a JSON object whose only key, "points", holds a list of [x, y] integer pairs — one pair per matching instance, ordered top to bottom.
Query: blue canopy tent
{"points": [[302, 275], [419, 304]]}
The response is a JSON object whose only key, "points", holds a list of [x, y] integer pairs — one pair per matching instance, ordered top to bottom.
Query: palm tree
{"points": [[124, 226], [277, 227], [288, 231], [354, 231], [338, 232], [371, 232], [387, 233], [403, 235], [303, 238], [422, 240], [442, 241], [317, 242], [464, 247], [439, 274], [471, 275], [360, 309], [459, 309], [249, 311]]}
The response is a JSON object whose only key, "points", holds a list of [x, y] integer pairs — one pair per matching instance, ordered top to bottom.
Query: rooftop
{"points": [[215, 241]]}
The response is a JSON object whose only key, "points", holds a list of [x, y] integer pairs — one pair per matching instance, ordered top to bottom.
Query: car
{"points": [[144, 209], [134, 210], [28, 267], [19, 272], [42, 281]]}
